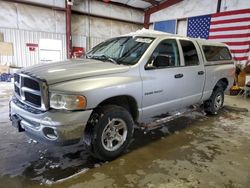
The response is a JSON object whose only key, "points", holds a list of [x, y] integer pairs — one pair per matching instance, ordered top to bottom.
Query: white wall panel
{"points": [[58, 3], [140, 4], [80, 5], [227, 5], [189, 8], [103, 9], [185, 9], [109, 10], [121, 13], [8, 15], [14, 15], [137, 16], [25, 17], [28, 18], [60, 22], [23, 24], [79, 25], [136, 27], [182, 27], [100, 28], [118, 28], [79, 41], [22, 56]]}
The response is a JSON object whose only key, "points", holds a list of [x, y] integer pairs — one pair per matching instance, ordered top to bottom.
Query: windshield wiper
{"points": [[103, 57]]}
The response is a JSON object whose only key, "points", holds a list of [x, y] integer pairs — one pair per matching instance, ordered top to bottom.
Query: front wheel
{"points": [[215, 102], [112, 132]]}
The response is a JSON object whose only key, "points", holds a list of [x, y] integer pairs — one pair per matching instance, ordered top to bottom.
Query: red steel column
{"points": [[146, 19], [68, 30]]}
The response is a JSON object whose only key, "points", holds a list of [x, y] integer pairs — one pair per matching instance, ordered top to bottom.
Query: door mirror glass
{"points": [[161, 61]]}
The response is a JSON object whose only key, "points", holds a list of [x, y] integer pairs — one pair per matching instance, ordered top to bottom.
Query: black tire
{"points": [[212, 105], [103, 118]]}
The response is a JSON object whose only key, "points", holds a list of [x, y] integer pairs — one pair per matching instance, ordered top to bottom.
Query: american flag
{"points": [[231, 27]]}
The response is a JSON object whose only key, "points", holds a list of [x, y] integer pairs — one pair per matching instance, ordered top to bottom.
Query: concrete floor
{"points": [[192, 151]]}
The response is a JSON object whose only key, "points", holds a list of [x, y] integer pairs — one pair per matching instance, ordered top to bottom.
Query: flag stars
{"points": [[198, 27]]}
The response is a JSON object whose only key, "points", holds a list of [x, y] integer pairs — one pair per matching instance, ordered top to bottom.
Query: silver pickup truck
{"points": [[135, 80]]}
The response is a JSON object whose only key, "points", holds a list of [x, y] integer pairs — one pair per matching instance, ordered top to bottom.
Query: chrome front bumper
{"points": [[53, 126]]}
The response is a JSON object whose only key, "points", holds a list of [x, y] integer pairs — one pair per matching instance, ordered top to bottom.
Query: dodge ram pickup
{"points": [[125, 82]]}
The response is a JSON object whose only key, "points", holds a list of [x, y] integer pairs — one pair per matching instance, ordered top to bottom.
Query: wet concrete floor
{"points": [[191, 151]]}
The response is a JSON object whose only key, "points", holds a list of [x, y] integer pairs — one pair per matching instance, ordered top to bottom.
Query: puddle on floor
{"points": [[192, 151]]}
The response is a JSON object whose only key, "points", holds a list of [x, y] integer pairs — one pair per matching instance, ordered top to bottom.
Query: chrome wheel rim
{"points": [[218, 101], [114, 134]]}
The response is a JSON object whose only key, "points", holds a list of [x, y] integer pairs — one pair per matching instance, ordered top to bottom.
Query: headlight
{"points": [[68, 102]]}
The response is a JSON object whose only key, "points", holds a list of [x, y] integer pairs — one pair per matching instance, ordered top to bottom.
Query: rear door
{"points": [[193, 72]]}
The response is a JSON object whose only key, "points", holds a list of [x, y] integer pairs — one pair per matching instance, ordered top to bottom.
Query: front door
{"points": [[162, 81]]}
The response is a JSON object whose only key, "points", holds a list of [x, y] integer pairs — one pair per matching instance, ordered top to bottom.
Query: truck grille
{"points": [[31, 91]]}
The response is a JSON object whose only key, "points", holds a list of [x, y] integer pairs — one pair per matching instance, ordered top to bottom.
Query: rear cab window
{"points": [[216, 53]]}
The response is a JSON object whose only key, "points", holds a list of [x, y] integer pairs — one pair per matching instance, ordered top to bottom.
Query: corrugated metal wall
{"points": [[20, 25], [22, 56]]}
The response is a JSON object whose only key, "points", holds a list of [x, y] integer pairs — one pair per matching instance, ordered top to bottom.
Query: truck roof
{"points": [[158, 34]]}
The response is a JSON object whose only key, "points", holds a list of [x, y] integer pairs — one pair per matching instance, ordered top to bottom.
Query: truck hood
{"points": [[73, 69]]}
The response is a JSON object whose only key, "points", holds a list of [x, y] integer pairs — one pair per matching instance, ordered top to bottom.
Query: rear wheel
{"points": [[215, 102], [112, 132]]}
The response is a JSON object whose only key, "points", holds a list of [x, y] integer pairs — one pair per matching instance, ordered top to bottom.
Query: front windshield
{"points": [[121, 50]]}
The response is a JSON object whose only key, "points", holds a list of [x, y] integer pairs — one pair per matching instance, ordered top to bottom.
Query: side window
{"points": [[189, 53], [216, 53], [166, 54]]}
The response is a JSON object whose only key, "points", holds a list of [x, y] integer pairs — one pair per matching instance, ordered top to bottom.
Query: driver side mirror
{"points": [[160, 61]]}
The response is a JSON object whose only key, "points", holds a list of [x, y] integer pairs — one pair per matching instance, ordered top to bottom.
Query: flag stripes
{"points": [[232, 28]]}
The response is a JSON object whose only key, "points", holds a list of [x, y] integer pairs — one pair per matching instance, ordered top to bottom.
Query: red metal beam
{"points": [[163, 5], [151, 10], [68, 30]]}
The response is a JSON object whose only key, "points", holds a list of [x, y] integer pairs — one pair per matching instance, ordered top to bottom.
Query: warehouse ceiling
{"points": [[142, 4]]}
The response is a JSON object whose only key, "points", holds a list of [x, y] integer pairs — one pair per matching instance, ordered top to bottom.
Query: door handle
{"points": [[200, 72], [178, 75]]}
